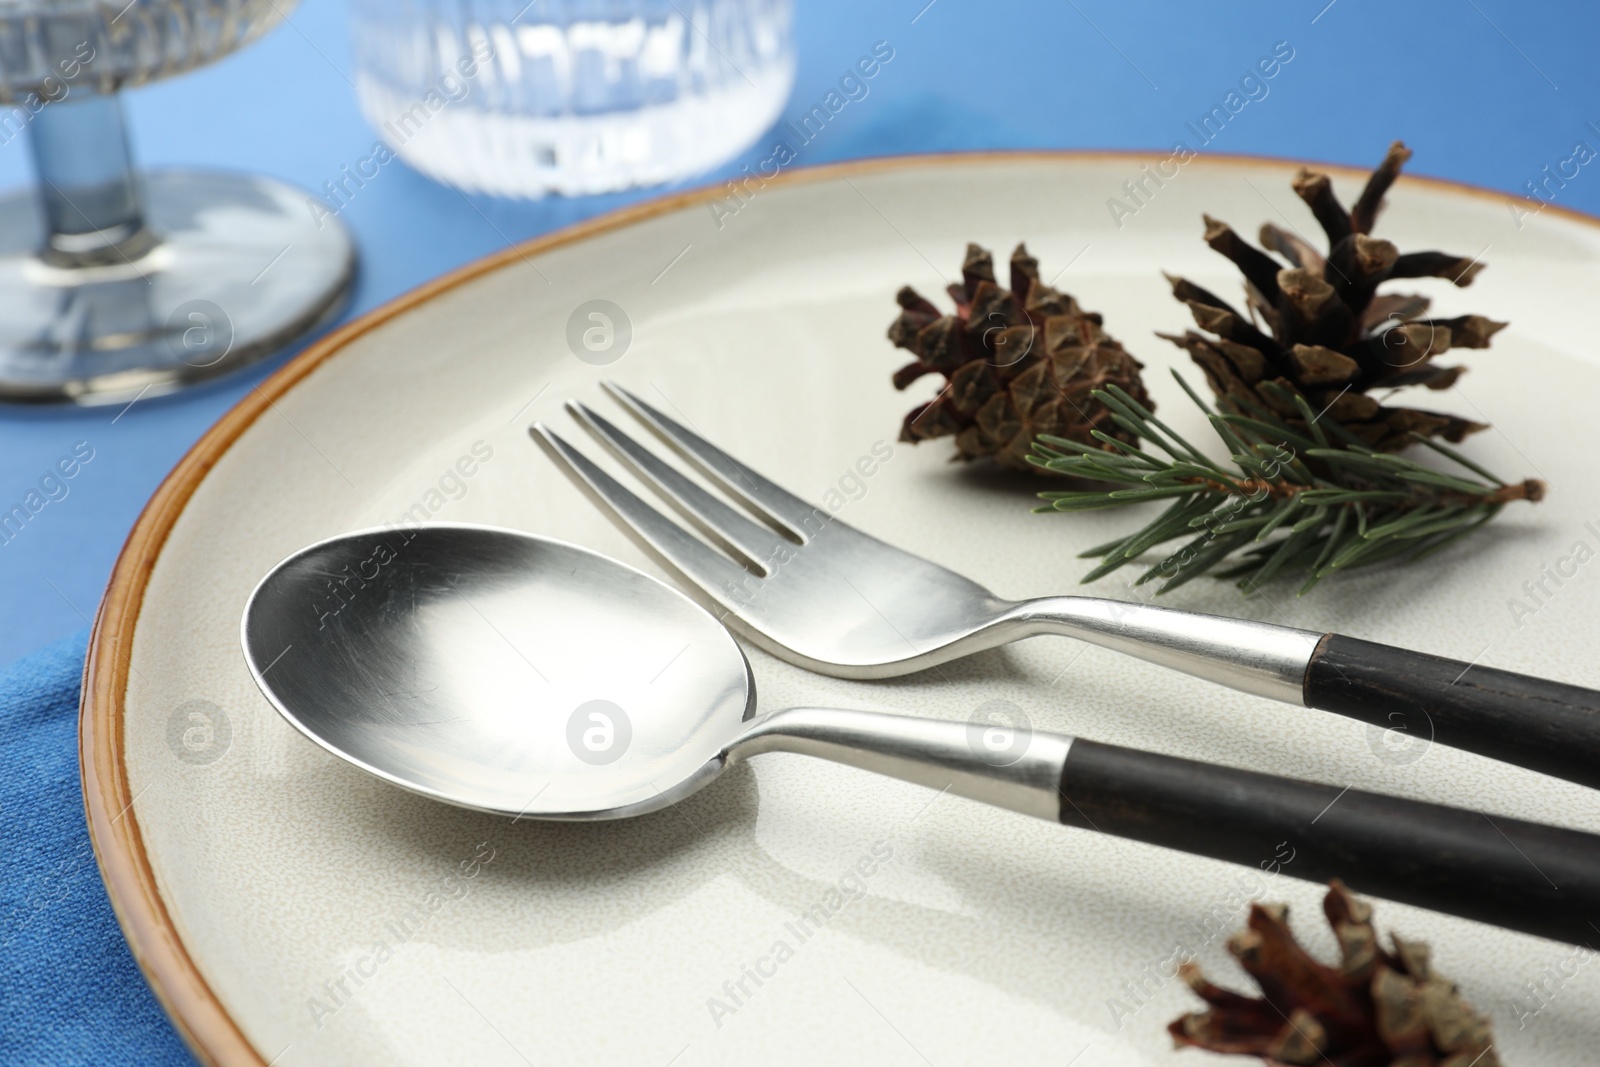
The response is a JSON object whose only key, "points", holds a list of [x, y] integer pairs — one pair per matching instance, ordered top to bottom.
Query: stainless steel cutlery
{"points": [[514, 674], [519, 675]]}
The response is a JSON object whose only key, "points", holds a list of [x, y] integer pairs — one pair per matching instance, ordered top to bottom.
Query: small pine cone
{"points": [[1319, 326], [1017, 363], [1377, 1008]]}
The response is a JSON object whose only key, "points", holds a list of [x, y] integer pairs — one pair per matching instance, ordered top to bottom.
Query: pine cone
{"points": [[1332, 336], [1018, 362], [1376, 1009]]}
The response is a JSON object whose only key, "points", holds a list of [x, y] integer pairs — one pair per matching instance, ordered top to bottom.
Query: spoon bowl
{"points": [[498, 671]]}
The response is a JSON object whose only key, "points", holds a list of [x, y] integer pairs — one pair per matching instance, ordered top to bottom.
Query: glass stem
{"points": [[88, 191]]}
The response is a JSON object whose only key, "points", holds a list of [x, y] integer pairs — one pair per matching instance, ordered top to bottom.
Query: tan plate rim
{"points": [[130, 881]]}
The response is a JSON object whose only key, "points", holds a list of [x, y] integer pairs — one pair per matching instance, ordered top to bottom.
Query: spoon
{"points": [[524, 676]]}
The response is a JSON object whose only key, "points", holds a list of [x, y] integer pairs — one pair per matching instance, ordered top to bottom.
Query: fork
{"points": [[818, 593]]}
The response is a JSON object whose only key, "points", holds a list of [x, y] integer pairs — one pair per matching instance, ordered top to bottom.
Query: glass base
{"points": [[240, 267]]}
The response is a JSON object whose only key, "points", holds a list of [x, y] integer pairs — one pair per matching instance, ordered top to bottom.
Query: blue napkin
{"points": [[70, 992]]}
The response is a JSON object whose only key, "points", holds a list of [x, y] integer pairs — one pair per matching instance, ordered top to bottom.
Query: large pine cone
{"points": [[1328, 332], [1018, 362], [1375, 1009]]}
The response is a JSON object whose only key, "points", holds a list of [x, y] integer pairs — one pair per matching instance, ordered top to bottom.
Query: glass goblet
{"points": [[117, 283]]}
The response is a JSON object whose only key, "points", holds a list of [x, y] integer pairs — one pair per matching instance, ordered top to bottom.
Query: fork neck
{"points": [[1254, 657]]}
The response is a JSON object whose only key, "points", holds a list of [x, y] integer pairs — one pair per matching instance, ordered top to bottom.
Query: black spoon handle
{"points": [[1531, 722], [1523, 876]]}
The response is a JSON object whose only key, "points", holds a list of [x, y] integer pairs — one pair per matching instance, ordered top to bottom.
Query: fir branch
{"points": [[1310, 503]]}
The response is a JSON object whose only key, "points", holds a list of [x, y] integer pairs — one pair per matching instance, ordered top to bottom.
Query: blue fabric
{"points": [[70, 992]]}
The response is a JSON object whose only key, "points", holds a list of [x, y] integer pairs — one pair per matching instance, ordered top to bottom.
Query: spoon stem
{"points": [[1016, 771], [1537, 879]]}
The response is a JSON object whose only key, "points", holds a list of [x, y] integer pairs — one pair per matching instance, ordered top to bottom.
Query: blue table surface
{"points": [[1484, 91]]}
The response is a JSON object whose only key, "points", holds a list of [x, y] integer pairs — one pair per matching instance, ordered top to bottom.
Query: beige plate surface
{"points": [[290, 909]]}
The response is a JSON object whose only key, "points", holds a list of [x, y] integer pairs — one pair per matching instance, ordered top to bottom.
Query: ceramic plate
{"points": [[290, 909]]}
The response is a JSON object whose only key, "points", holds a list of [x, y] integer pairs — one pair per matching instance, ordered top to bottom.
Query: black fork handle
{"points": [[1535, 723], [1546, 726]]}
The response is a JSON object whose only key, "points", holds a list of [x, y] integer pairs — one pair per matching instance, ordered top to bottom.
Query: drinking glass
{"points": [[520, 98], [117, 283]]}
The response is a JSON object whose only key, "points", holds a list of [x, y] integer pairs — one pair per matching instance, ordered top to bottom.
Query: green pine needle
{"points": [[1305, 504]]}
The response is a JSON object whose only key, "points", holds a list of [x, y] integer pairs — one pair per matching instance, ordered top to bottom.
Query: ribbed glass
{"points": [[50, 48], [582, 96]]}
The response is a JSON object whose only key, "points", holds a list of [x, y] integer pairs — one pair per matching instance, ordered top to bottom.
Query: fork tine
{"points": [[778, 505], [752, 540], [695, 560]]}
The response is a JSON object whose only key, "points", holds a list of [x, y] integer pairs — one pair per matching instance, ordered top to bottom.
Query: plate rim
{"points": [[196, 1011]]}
